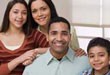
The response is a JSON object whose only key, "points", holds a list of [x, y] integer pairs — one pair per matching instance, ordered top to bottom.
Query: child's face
{"points": [[99, 58]]}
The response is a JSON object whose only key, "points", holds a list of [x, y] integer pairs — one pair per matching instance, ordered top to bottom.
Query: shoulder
{"points": [[35, 33], [79, 60], [83, 60], [37, 63]]}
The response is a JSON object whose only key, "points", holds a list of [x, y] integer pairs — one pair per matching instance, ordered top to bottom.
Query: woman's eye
{"points": [[44, 8], [34, 11], [15, 12], [24, 13]]}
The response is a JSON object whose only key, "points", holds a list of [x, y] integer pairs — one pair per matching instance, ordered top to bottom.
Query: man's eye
{"points": [[65, 33]]}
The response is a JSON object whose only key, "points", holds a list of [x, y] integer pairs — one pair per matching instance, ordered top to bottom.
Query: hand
{"points": [[80, 52], [29, 55], [27, 62]]}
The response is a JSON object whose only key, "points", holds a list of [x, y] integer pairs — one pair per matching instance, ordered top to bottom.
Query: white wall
{"points": [[3, 4], [64, 8]]}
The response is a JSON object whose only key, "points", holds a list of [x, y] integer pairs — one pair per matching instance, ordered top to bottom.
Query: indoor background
{"points": [[91, 18]]}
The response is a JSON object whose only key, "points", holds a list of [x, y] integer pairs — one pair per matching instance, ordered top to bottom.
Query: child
{"points": [[99, 56]]}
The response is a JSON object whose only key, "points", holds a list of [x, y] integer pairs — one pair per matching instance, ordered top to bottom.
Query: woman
{"points": [[41, 12], [17, 39]]}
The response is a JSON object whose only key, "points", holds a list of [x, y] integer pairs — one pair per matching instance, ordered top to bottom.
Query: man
{"points": [[59, 59]]}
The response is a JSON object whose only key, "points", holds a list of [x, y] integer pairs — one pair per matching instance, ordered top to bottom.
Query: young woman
{"points": [[41, 12], [18, 39], [99, 57]]}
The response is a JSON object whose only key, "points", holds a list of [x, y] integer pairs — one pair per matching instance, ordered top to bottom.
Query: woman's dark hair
{"points": [[52, 9], [59, 19], [5, 22], [98, 41]]}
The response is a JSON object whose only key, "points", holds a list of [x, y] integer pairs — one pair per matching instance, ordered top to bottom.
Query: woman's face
{"points": [[41, 12], [18, 15]]}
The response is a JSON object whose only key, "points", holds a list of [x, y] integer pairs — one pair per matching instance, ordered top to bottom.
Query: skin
{"points": [[41, 14], [17, 17], [59, 38], [99, 59]]}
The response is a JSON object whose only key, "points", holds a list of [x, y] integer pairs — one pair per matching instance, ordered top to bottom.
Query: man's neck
{"points": [[58, 55]]}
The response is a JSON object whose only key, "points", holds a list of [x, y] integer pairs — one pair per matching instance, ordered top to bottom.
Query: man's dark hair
{"points": [[59, 19]]}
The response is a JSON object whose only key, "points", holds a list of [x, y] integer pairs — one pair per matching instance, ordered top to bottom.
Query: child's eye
{"points": [[101, 55], [91, 56]]}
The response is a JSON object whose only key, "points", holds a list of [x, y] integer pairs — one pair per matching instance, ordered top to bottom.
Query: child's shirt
{"points": [[90, 72]]}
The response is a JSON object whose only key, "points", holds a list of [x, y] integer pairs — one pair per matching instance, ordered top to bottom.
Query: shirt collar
{"points": [[48, 56], [69, 56], [92, 72], [108, 73]]}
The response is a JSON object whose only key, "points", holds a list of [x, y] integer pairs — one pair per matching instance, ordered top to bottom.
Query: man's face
{"points": [[59, 37]]}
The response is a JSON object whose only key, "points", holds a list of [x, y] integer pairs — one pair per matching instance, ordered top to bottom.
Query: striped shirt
{"points": [[35, 40]]}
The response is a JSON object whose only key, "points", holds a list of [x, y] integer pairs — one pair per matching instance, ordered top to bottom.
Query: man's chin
{"points": [[59, 51]]}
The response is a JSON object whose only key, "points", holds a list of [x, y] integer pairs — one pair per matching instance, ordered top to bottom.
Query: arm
{"points": [[41, 44], [39, 51], [5, 69]]}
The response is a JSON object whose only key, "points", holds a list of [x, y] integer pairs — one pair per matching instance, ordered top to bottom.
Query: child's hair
{"points": [[98, 41]]}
